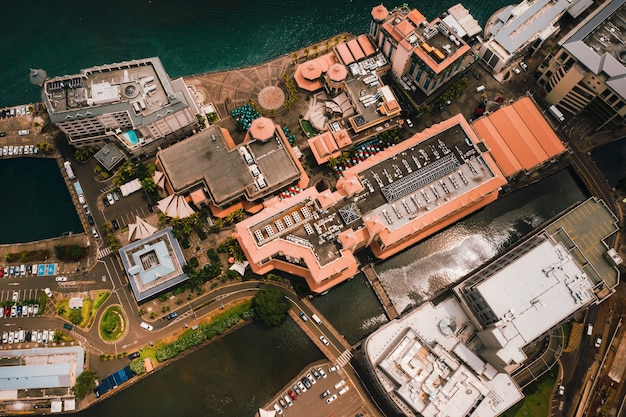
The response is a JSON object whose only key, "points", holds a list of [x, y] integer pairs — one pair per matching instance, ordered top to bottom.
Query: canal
{"points": [[35, 201]]}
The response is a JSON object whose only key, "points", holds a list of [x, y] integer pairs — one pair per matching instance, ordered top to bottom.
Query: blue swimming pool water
{"points": [[131, 137]]}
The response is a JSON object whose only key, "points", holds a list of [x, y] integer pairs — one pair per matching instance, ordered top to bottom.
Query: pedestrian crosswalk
{"points": [[104, 252], [344, 358]]}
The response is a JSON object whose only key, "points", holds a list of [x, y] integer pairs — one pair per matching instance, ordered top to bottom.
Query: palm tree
{"points": [[327, 45], [316, 48], [306, 52], [295, 57], [343, 157], [332, 162], [148, 185]]}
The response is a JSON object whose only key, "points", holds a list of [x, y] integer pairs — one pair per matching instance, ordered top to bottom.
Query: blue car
{"points": [[172, 315]]}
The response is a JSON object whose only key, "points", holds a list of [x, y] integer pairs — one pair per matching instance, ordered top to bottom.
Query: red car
{"points": [[7, 311], [292, 395]]}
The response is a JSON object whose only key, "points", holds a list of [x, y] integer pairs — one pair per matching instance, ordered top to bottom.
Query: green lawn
{"points": [[308, 129], [112, 324], [537, 400]]}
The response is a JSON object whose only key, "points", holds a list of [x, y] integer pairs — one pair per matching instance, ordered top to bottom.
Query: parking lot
{"points": [[326, 390]]}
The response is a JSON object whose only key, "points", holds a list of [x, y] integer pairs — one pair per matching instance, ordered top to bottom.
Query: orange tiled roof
{"points": [[380, 13], [416, 17], [405, 28], [390, 30], [366, 45], [355, 50], [344, 53], [311, 70], [337, 72], [305, 84], [538, 125], [262, 128], [503, 155]]}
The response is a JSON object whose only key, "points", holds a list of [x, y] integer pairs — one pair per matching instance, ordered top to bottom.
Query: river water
{"points": [[35, 203]]}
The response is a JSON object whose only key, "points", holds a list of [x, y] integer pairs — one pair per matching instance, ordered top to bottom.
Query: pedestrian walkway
{"points": [[102, 253], [372, 277], [345, 358]]}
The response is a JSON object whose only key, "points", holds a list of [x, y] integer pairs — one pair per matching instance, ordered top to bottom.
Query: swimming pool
{"points": [[131, 137]]}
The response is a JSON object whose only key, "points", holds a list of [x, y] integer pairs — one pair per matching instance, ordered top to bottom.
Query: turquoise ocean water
{"points": [[190, 36]]}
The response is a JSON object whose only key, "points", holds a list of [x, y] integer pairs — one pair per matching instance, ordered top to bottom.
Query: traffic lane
{"points": [[319, 330]]}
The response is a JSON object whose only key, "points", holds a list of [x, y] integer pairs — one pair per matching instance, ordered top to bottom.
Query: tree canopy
{"points": [[270, 306], [85, 383]]}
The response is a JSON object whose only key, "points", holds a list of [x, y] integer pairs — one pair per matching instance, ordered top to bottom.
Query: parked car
{"points": [[523, 66], [409, 122], [110, 199], [105, 201], [90, 220], [115, 224], [94, 231], [60, 279], [16, 296], [35, 309], [172, 315], [303, 316], [67, 326], [598, 341], [134, 355], [322, 373], [316, 374], [311, 379], [306, 382], [561, 390], [325, 394], [331, 399]]}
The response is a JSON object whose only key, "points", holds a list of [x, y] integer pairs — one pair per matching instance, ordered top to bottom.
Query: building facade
{"points": [[428, 53], [588, 71], [133, 103]]}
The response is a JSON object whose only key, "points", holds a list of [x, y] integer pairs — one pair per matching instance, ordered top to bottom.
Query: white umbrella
{"points": [[159, 179], [175, 206], [140, 229]]}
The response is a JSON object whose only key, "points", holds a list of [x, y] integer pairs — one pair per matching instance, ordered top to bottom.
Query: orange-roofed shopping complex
{"points": [[399, 196]]}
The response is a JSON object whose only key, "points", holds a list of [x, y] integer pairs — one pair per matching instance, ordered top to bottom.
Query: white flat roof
{"points": [[536, 292], [409, 351]]}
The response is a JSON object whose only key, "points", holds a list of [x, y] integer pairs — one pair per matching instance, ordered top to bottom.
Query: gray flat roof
{"points": [[536, 18], [597, 43], [141, 88], [109, 156], [206, 158], [153, 264], [40, 368]]}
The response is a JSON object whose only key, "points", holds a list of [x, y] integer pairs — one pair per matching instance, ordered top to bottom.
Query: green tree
{"points": [[84, 153], [148, 185], [270, 306], [76, 315], [58, 336], [137, 366], [85, 383]]}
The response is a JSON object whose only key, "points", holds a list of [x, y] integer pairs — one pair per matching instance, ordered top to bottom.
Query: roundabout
{"points": [[112, 326]]}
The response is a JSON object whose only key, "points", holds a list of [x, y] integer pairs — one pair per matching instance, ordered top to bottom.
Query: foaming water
{"points": [[425, 269]]}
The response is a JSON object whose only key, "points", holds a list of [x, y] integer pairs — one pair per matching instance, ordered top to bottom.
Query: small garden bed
{"points": [[112, 324]]}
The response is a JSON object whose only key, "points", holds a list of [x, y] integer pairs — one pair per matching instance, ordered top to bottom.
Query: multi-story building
{"points": [[520, 29], [427, 53], [588, 71], [133, 103], [397, 197], [455, 357]]}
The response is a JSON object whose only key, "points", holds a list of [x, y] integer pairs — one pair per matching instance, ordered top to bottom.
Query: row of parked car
{"points": [[14, 111], [9, 150], [18, 270], [19, 310], [21, 336], [305, 383]]}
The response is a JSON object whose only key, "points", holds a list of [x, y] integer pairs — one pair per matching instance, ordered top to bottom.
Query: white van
{"points": [[480, 88], [23, 132], [81, 199], [316, 318], [146, 326], [589, 329], [340, 384], [344, 390]]}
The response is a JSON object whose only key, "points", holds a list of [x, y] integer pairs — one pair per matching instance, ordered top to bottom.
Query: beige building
{"points": [[588, 71], [132, 103]]}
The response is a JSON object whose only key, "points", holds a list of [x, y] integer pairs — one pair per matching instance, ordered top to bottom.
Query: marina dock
{"points": [[372, 277]]}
